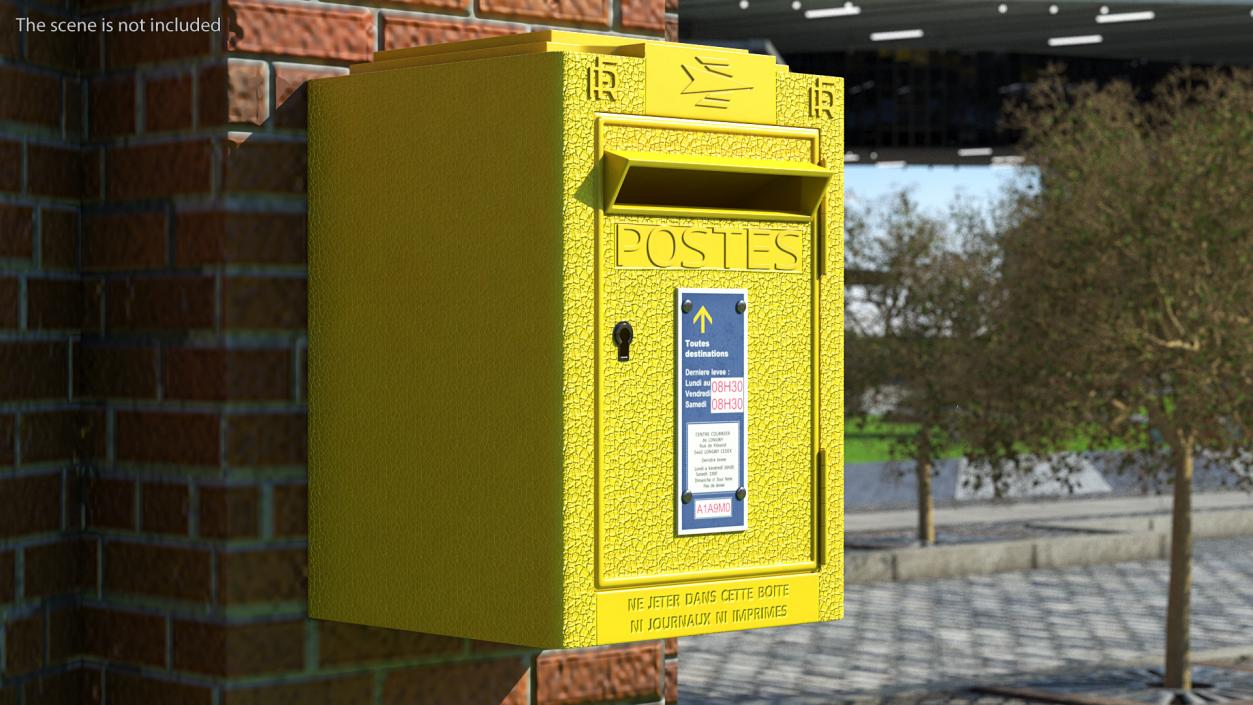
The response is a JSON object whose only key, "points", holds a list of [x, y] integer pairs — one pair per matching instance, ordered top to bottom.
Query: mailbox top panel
{"points": [[681, 80]]}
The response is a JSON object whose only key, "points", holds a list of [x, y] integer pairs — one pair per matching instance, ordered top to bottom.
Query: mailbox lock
{"points": [[623, 334]]}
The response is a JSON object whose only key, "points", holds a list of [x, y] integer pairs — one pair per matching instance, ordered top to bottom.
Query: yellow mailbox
{"points": [[575, 341]]}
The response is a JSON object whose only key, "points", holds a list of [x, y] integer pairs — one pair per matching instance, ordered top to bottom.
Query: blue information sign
{"points": [[712, 446]]}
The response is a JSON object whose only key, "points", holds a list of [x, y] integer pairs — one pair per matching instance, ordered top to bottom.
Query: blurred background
{"points": [[1035, 193]]}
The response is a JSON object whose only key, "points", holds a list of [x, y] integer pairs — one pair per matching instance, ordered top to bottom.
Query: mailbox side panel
{"points": [[435, 349]]}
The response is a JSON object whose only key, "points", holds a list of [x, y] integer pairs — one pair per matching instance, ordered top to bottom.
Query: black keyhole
{"points": [[623, 334]]}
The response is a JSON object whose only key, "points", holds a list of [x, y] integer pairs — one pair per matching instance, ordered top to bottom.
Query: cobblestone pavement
{"points": [[936, 634]]}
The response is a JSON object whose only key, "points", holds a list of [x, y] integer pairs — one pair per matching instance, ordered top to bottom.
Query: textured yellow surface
{"points": [[690, 82], [796, 94], [462, 291], [435, 350], [637, 425]]}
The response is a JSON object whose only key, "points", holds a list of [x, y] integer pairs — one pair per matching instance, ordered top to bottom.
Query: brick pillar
{"points": [[152, 367], [44, 434]]}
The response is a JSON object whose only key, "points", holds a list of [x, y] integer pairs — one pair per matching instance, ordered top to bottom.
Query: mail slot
{"points": [[575, 341]]}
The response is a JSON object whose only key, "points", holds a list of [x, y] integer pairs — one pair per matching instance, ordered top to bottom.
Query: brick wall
{"points": [[152, 366], [45, 435]]}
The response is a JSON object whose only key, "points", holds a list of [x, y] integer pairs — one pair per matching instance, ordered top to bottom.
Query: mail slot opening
{"points": [[647, 183]]}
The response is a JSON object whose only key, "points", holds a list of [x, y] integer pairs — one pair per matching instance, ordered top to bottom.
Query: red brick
{"points": [[443, 5], [587, 12], [647, 15], [292, 30], [400, 32], [10, 45], [129, 48], [56, 49], [234, 92], [291, 93], [72, 95], [30, 97], [168, 103], [111, 106], [10, 153], [259, 165], [157, 170], [53, 171], [93, 172], [17, 231], [209, 238], [58, 239], [124, 241], [10, 302], [153, 303], [267, 303], [54, 304], [93, 306], [44, 366], [115, 372], [219, 375], [8, 426], [61, 435], [156, 437], [266, 439], [75, 499], [111, 504], [29, 505], [164, 508], [291, 510], [229, 512], [60, 568], [160, 571], [277, 575], [8, 578], [65, 635], [124, 636], [24, 644], [343, 644], [238, 649], [619, 673], [505, 682], [672, 682], [85, 685], [76, 686], [125, 689], [352, 690]]}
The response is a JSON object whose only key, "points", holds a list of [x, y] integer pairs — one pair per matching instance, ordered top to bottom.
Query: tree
{"points": [[1125, 309], [915, 326]]}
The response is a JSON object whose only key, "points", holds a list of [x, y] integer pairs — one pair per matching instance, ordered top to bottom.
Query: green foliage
{"points": [[1124, 310]]}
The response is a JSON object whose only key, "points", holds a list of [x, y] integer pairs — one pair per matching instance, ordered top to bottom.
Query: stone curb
{"points": [[862, 567]]}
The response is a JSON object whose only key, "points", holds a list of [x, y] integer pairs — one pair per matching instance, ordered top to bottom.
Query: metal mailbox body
{"points": [[481, 462]]}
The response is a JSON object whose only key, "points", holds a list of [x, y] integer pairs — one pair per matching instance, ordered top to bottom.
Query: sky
{"points": [[933, 187]]}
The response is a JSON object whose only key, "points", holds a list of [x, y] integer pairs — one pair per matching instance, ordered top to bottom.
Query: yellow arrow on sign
{"points": [[703, 316]]}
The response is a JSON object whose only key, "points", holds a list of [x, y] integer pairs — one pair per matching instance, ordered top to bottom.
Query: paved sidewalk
{"points": [[1064, 508], [942, 633]]}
